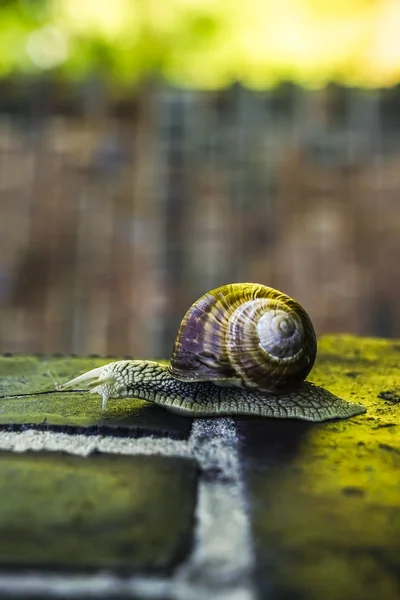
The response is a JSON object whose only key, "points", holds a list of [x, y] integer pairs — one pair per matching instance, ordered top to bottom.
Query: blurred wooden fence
{"points": [[116, 216]]}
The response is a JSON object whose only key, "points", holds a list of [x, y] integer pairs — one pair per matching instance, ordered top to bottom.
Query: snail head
{"points": [[101, 380]]}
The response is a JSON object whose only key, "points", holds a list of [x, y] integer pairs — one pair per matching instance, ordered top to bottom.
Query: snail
{"points": [[242, 348]]}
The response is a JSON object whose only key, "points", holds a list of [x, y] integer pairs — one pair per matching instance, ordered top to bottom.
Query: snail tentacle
{"points": [[152, 382]]}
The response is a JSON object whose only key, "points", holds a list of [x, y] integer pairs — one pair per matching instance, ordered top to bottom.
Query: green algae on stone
{"points": [[375, 368], [27, 375], [102, 511], [326, 515]]}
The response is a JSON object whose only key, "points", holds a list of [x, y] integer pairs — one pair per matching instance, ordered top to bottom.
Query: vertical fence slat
{"points": [[113, 223]]}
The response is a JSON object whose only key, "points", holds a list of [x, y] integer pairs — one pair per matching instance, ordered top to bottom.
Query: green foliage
{"points": [[204, 43]]}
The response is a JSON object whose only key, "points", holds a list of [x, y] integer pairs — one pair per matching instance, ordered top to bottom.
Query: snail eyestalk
{"points": [[102, 380]]}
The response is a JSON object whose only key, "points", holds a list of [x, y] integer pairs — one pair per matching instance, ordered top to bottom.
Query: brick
{"points": [[68, 411], [325, 498], [121, 513]]}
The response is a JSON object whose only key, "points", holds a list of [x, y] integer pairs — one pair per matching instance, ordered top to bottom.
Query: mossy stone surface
{"points": [[27, 375], [325, 498], [66, 512]]}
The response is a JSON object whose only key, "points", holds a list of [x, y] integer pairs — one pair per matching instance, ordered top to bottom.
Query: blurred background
{"points": [[151, 150]]}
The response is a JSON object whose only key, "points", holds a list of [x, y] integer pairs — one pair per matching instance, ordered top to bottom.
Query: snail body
{"points": [[240, 349]]}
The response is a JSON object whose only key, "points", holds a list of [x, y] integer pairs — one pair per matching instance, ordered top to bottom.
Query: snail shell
{"points": [[245, 334]]}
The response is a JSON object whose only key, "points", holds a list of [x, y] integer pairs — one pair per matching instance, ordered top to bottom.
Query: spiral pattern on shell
{"points": [[245, 334]]}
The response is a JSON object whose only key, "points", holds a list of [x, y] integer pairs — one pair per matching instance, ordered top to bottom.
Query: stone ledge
{"points": [[324, 498]]}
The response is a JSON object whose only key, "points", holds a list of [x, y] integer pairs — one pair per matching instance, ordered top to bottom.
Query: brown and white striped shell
{"points": [[245, 334]]}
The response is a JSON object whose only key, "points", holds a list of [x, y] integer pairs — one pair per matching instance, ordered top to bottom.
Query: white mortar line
{"points": [[84, 445], [220, 566], [101, 585]]}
